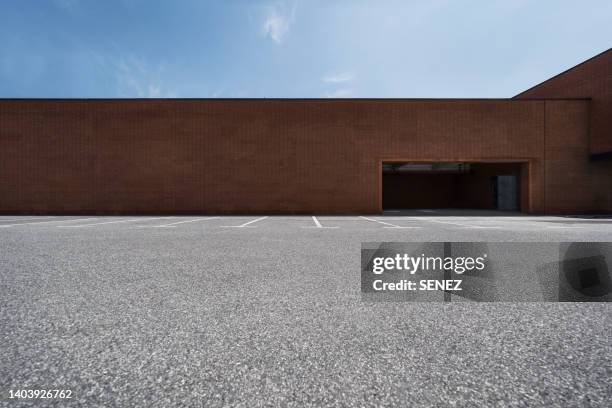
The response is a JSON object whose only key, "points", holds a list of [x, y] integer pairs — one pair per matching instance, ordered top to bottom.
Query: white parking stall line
{"points": [[25, 219], [46, 222], [112, 222], [246, 224], [318, 224], [172, 225], [389, 225]]}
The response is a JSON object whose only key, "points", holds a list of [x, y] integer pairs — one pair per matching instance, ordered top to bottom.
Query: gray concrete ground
{"points": [[229, 311]]}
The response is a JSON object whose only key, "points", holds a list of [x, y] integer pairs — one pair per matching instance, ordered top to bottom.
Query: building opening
{"points": [[456, 185]]}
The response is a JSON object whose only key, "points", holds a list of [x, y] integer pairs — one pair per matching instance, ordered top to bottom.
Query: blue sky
{"points": [[292, 48]]}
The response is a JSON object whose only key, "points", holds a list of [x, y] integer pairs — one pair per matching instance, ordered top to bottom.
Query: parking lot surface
{"points": [[266, 311]]}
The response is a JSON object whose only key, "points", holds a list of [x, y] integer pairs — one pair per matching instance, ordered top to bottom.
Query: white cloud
{"points": [[278, 20], [276, 27], [132, 76], [337, 78], [135, 79], [341, 80], [154, 91], [341, 93]]}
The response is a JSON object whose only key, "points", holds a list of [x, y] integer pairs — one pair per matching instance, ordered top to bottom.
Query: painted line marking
{"points": [[25, 219], [46, 222], [112, 222], [386, 223], [246, 224], [318, 224], [171, 225]]}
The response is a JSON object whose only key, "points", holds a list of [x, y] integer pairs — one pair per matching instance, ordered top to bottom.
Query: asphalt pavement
{"points": [[266, 311]]}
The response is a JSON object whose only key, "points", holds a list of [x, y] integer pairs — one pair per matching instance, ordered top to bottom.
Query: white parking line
{"points": [[25, 219], [46, 222], [112, 222], [177, 223], [385, 223], [246, 224], [318, 224]]}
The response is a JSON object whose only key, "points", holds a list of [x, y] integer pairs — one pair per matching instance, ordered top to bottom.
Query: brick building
{"points": [[547, 150]]}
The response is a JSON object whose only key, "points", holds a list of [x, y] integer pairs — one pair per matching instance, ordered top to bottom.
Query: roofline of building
{"points": [[564, 72], [283, 99]]}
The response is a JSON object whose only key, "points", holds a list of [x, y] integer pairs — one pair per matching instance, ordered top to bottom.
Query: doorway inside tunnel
{"points": [[453, 185]]}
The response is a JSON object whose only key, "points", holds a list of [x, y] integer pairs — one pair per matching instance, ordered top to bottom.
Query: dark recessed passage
{"points": [[459, 185]]}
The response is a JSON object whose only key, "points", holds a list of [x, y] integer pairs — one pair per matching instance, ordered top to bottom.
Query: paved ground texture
{"points": [[252, 311]]}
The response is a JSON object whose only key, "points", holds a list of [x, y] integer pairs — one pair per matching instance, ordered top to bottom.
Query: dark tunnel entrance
{"points": [[453, 185]]}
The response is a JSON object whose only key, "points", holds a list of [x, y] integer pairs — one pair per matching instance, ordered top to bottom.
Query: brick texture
{"points": [[590, 79], [276, 156]]}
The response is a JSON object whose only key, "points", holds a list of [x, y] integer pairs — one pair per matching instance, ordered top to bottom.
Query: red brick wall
{"points": [[591, 79], [268, 156], [568, 175]]}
